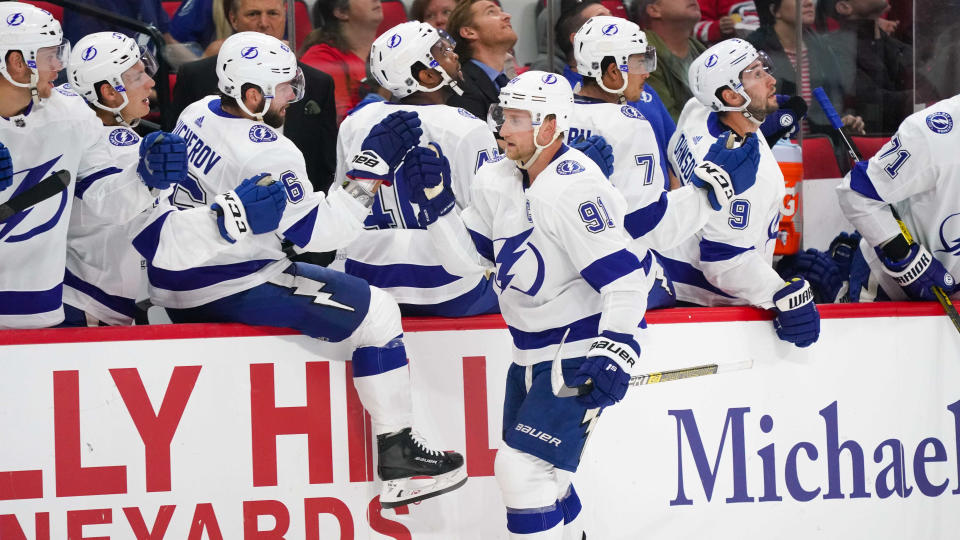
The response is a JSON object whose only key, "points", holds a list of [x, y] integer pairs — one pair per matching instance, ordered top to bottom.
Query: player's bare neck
{"points": [[594, 91], [437, 97], [13, 100], [235, 111], [737, 122], [544, 159]]}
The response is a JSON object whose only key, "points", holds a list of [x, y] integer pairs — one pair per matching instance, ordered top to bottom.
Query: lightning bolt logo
{"points": [[952, 246], [508, 255], [304, 286], [590, 417]]}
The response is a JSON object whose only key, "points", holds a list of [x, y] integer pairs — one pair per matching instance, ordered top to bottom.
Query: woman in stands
{"points": [[433, 12], [340, 44]]}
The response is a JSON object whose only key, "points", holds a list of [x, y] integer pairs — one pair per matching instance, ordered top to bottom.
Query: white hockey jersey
{"points": [[60, 134], [918, 172], [657, 217], [395, 253], [560, 253], [729, 261], [189, 263]]}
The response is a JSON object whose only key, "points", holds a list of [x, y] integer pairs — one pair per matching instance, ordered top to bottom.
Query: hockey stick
{"points": [[855, 154], [46, 188], [561, 390]]}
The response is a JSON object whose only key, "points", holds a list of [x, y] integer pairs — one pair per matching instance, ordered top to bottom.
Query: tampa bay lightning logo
{"points": [[15, 19], [610, 30], [394, 41], [249, 53], [89, 54], [711, 60], [549, 78], [66, 90], [646, 97], [464, 112], [631, 112], [940, 122], [261, 133], [123, 137], [569, 166], [32, 178], [774, 228], [950, 235], [510, 253]]}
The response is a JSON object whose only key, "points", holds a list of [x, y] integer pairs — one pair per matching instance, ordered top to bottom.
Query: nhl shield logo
{"points": [[15, 19], [249, 53], [89, 54], [940, 122], [261, 133], [123, 137], [569, 166]]}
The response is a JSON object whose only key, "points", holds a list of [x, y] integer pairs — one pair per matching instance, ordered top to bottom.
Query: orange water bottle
{"points": [[790, 158]]}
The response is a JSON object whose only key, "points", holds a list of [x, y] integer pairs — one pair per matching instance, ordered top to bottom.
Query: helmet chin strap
{"points": [[620, 97], [258, 116], [526, 164]]}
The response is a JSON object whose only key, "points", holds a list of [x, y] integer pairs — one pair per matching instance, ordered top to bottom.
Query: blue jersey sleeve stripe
{"points": [[861, 183], [84, 184], [642, 221], [301, 232], [147, 242], [483, 244], [711, 251], [610, 268], [682, 272], [400, 275], [204, 276], [30, 302], [120, 304], [585, 328]]}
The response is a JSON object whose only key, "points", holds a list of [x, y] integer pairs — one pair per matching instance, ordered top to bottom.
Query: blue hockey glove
{"points": [[783, 122], [384, 148], [597, 149], [163, 160], [6, 168], [727, 170], [427, 173], [255, 206], [842, 250], [819, 269], [918, 273], [798, 320], [611, 358]]}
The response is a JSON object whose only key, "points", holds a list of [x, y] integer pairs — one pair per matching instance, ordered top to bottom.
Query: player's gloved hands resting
{"points": [[783, 122], [385, 146], [597, 149], [163, 160], [6, 168], [727, 170], [427, 173], [256, 206], [817, 267], [918, 273], [798, 320], [609, 362]]}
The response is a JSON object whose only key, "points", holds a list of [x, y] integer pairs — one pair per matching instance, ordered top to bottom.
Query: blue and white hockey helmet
{"points": [[37, 35], [605, 36], [394, 54], [106, 56], [260, 60], [722, 66]]}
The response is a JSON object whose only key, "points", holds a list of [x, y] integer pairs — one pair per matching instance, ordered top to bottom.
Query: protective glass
{"points": [[52, 58], [641, 63], [757, 72], [297, 85], [502, 119]]}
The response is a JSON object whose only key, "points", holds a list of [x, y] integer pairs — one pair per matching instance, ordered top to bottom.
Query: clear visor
{"points": [[52, 58], [641, 63], [145, 69], [758, 70], [294, 88], [503, 120]]}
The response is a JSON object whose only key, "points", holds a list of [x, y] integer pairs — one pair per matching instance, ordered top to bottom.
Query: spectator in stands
{"points": [[563, 8], [436, 13], [264, 16], [723, 19], [570, 20], [193, 25], [668, 25], [777, 36], [484, 38], [340, 44], [878, 68], [311, 123]]}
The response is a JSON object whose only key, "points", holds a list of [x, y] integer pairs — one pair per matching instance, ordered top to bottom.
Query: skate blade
{"points": [[411, 490]]}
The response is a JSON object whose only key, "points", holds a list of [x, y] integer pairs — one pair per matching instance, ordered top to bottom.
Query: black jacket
{"points": [[479, 92], [311, 123]]}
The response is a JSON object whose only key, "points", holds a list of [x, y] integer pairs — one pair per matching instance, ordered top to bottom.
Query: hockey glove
{"points": [[783, 122], [384, 148], [597, 149], [163, 160], [6, 168], [727, 170], [427, 173], [255, 206], [842, 250], [819, 269], [918, 273], [798, 320], [611, 358]]}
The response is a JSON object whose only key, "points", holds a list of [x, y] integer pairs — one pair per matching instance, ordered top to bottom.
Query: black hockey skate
{"points": [[413, 472]]}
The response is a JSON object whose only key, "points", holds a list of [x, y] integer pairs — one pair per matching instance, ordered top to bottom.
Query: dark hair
{"points": [[418, 10], [765, 11], [638, 12], [462, 15], [569, 22], [326, 26], [604, 64], [231, 101]]}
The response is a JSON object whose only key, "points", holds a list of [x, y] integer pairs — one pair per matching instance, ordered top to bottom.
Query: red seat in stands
{"points": [[616, 7], [171, 8], [54, 9], [394, 13], [303, 25], [869, 146], [819, 161]]}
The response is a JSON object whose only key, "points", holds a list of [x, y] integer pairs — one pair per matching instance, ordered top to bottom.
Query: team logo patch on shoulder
{"points": [[66, 90], [464, 112], [631, 112], [940, 122], [262, 133], [123, 137], [569, 166]]}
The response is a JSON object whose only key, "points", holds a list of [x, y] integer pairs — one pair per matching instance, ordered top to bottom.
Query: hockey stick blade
{"points": [[46, 188], [556, 371]]}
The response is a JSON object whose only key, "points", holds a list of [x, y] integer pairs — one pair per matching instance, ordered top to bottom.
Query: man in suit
{"points": [[484, 38], [311, 123]]}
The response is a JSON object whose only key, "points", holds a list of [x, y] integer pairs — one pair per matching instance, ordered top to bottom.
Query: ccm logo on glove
{"points": [[235, 211], [615, 348]]}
